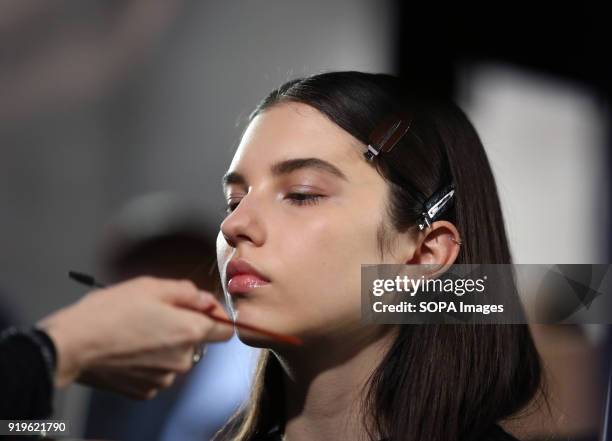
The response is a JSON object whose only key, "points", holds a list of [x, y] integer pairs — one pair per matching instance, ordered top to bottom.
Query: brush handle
{"points": [[87, 280], [289, 339]]}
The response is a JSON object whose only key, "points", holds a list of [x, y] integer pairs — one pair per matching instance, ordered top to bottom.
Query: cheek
{"points": [[327, 257]]}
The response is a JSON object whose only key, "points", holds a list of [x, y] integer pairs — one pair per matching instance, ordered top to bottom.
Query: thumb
{"points": [[185, 294]]}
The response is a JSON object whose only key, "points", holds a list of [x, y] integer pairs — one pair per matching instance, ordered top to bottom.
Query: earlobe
{"points": [[438, 244]]}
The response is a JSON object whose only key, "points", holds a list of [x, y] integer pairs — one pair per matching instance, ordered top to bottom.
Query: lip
{"points": [[242, 277]]}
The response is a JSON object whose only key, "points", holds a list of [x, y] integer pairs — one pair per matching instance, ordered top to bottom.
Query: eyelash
{"points": [[294, 198], [308, 198]]}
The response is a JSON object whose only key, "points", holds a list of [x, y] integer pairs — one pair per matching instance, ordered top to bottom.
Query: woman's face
{"points": [[304, 211]]}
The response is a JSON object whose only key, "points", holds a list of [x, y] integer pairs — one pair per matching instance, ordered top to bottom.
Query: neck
{"points": [[325, 384]]}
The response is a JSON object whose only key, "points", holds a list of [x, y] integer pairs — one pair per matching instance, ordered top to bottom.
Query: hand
{"points": [[134, 337]]}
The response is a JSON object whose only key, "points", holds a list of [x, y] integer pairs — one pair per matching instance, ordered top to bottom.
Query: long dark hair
{"points": [[436, 382]]}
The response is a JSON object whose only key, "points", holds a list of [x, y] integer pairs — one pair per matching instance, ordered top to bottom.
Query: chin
{"points": [[252, 314], [255, 340]]}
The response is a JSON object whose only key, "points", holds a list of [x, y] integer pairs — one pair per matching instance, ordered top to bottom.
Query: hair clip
{"points": [[386, 135], [435, 206]]}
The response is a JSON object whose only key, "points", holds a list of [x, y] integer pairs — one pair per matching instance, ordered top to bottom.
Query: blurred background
{"points": [[118, 119]]}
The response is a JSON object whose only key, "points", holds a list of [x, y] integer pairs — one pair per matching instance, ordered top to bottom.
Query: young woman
{"points": [[305, 209]]}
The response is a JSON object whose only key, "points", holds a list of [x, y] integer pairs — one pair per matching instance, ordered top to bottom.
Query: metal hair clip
{"points": [[387, 135], [435, 206]]}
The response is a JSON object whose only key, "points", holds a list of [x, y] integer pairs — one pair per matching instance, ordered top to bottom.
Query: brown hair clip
{"points": [[386, 135], [382, 140]]}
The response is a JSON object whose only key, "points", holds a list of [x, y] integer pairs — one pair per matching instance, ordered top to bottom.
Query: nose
{"points": [[244, 224]]}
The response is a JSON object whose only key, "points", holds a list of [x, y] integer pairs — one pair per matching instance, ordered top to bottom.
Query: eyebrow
{"points": [[289, 166]]}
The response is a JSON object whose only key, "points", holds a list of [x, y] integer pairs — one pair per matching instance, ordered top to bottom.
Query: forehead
{"points": [[295, 130]]}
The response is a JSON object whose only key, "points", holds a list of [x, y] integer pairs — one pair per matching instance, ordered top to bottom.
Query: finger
{"points": [[185, 294], [205, 329], [173, 358], [179, 359], [184, 363], [152, 371], [151, 377], [142, 380], [139, 381], [156, 381], [121, 382], [130, 390], [136, 390]]}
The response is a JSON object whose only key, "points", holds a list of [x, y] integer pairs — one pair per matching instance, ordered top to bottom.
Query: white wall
{"points": [[546, 143]]}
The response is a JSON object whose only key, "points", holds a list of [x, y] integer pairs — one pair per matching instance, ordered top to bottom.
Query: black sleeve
{"points": [[27, 363]]}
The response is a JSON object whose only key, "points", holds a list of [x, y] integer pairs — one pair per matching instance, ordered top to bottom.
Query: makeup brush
{"points": [[87, 280]]}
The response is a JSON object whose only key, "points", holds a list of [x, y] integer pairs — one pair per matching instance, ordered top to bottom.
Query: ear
{"points": [[438, 244]]}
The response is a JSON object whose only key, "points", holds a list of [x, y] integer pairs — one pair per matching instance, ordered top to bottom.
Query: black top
{"points": [[27, 361], [495, 434], [499, 434]]}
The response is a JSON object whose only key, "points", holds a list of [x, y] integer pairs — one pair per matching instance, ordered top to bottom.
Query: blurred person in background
{"points": [[40, 42], [165, 236]]}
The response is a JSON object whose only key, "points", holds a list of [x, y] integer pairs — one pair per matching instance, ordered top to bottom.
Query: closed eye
{"points": [[293, 198], [303, 198]]}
